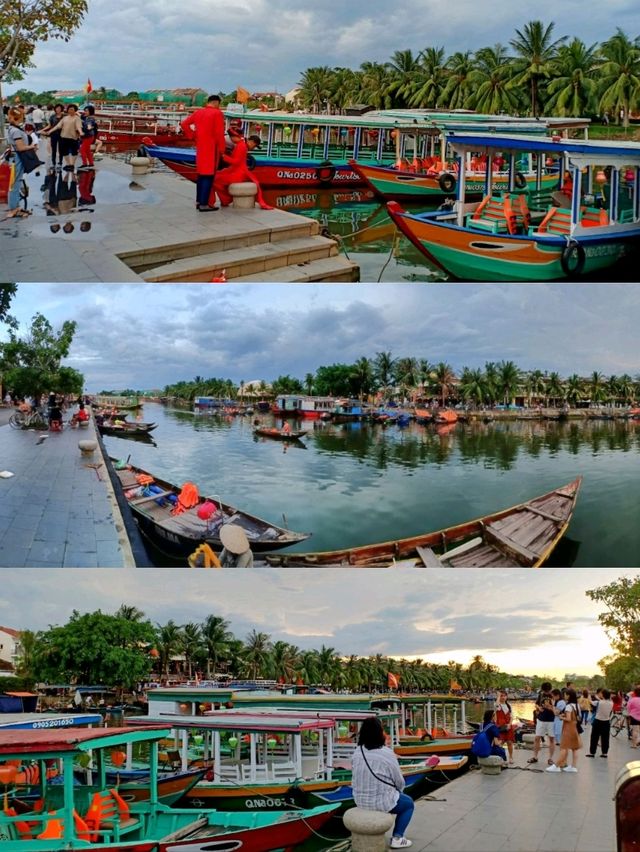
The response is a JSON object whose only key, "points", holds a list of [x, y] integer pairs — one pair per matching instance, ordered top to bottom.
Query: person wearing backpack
{"points": [[570, 741], [377, 780]]}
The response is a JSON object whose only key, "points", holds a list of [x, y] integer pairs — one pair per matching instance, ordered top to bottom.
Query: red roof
{"points": [[10, 631], [23, 694], [56, 739]]}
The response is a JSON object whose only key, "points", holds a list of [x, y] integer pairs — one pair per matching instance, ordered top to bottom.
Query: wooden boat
{"points": [[127, 131], [314, 150], [424, 179], [589, 223], [126, 428], [279, 434], [525, 534], [179, 535], [265, 776], [95, 816]]}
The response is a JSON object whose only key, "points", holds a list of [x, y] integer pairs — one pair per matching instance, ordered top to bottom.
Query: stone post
{"points": [[244, 195], [368, 829]]}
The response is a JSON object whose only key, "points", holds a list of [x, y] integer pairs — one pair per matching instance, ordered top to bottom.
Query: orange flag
{"points": [[242, 95], [393, 681]]}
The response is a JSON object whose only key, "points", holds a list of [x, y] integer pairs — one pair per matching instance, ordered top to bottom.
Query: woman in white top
{"points": [[378, 782]]}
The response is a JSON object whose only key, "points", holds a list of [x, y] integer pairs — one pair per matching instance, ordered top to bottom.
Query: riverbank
{"points": [[111, 225], [59, 509], [524, 808]]}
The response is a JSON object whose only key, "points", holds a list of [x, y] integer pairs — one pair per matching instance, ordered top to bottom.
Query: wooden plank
{"points": [[140, 500], [546, 515], [540, 527], [462, 548], [518, 549], [428, 557], [185, 831]]}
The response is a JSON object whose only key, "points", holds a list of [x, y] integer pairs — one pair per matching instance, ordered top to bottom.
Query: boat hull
{"points": [[270, 173], [388, 182], [475, 256]]}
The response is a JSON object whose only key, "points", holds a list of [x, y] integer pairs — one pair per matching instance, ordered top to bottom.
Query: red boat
{"points": [[128, 132]]}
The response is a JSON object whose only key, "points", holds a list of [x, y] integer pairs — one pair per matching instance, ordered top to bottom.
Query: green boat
{"points": [[69, 816]]}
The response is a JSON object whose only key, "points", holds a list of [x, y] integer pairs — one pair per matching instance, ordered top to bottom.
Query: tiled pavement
{"points": [[57, 511], [525, 811]]}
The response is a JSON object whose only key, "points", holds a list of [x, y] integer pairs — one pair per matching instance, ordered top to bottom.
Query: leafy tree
{"points": [[535, 53], [619, 75], [432, 78], [490, 79], [459, 85], [573, 89], [7, 292], [32, 365], [361, 377], [444, 378], [333, 380], [286, 384], [621, 619], [216, 638], [168, 643], [95, 648], [30, 649], [257, 649], [621, 672]]}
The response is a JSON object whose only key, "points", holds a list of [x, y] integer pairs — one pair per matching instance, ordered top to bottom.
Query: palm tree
{"points": [[535, 53], [404, 67], [619, 72], [432, 79], [490, 80], [374, 82], [459, 85], [316, 86], [344, 87], [573, 89], [383, 365], [406, 373], [362, 377], [444, 378], [491, 379], [508, 380], [308, 383], [472, 386], [596, 387], [555, 388], [626, 388], [574, 389], [130, 613], [216, 638], [168, 644], [191, 644], [30, 649], [257, 649], [284, 661]]}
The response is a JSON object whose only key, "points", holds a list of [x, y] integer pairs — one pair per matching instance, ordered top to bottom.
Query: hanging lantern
{"points": [[286, 130], [315, 131], [393, 134], [629, 175], [154, 653], [184, 707], [203, 707], [342, 730], [314, 736], [198, 738], [233, 742], [271, 743], [118, 758], [7, 774]]}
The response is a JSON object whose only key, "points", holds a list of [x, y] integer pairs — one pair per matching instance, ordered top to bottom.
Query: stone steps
{"points": [[253, 260], [334, 269]]}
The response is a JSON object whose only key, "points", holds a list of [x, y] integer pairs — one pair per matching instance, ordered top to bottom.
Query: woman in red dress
{"points": [[237, 170], [504, 719]]}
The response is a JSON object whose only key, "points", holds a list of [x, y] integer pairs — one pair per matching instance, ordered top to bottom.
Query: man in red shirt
{"points": [[206, 126]]}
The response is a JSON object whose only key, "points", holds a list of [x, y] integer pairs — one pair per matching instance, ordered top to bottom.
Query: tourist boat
{"points": [[120, 131], [315, 150], [589, 223], [299, 405], [348, 410], [446, 416], [279, 434], [525, 534], [178, 535], [280, 758], [72, 816]]}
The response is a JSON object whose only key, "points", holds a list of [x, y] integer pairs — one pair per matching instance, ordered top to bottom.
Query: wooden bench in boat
{"points": [[494, 214], [558, 220], [109, 815]]}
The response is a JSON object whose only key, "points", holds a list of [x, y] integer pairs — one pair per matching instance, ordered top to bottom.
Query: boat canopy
{"points": [[591, 151], [230, 720], [35, 721], [56, 741]]}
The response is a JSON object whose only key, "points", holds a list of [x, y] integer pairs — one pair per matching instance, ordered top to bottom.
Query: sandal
{"points": [[18, 214], [532, 760]]}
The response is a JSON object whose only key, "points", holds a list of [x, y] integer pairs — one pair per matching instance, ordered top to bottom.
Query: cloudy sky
{"points": [[265, 44], [150, 335], [525, 621]]}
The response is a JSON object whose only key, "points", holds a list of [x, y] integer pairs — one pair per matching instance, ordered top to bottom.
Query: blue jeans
{"points": [[14, 192], [498, 751], [404, 812]]}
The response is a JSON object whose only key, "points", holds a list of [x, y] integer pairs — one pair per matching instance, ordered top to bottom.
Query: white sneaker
{"points": [[553, 768], [569, 769], [400, 843]]}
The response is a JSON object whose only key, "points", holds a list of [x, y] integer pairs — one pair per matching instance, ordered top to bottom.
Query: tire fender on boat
{"points": [[325, 172], [520, 180], [447, 182], [572, 259]]}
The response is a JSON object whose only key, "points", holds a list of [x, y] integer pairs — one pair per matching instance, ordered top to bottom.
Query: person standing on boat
{"points": [[206, 126], [236, 551], [377, 781]]}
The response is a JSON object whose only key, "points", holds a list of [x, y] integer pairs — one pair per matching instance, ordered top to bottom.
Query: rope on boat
{"points": [[391, 251]]}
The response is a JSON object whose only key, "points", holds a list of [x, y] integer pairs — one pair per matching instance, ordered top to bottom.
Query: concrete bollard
{"points": [[140, 165], [244, 195], [87, 448], [528, 740], [491, 765], [368, 829]]}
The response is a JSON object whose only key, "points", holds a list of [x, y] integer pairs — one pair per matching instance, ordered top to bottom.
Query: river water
{"points": [[359, 483]]}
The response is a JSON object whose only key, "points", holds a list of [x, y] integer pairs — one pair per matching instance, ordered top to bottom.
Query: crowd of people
{"points": [[69, 132], [52, 406]]}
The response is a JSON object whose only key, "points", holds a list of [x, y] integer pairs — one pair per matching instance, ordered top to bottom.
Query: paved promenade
{"points": [[59, 509], [526, 811]]}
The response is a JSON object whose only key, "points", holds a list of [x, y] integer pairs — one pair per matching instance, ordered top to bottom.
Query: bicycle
{"points": [[28, 420], [618, 723]]}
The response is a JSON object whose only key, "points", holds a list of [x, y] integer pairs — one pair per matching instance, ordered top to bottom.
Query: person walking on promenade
{"points": [[37, 117], [206, 126], [70, 127], [54, 135], [89, 136], [19, 142], [584, 705], [633, 714], [545, 717], [504, 719], [601, 725], [570, 741], [377, 781]]}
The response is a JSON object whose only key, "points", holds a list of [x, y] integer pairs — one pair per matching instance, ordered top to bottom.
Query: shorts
{"points": [[68, 147], [544, 729]]}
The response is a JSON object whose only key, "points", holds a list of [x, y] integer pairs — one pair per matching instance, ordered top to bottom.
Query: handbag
{"points": [[30, 160]]}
